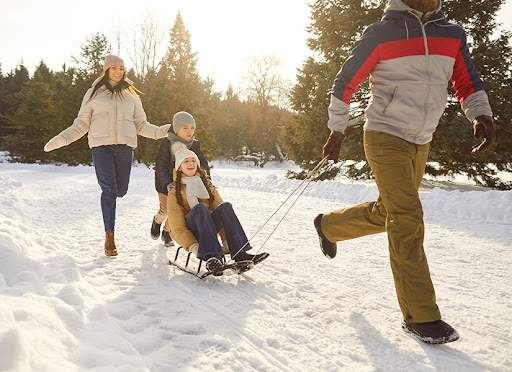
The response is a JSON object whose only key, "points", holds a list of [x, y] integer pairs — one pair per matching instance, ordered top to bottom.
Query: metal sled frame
{"points": [[233, 266], [185, 268]]}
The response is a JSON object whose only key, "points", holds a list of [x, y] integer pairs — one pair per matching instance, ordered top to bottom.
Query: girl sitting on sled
{"points": [[197, 214]]}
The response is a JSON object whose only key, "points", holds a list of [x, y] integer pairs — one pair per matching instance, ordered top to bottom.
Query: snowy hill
{"points": [[65, 307]]}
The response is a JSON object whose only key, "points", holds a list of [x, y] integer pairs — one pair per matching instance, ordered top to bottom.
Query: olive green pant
{"points": [[398, 167]]}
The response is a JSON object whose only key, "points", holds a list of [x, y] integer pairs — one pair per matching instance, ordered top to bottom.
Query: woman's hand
{"points": [[163, 130], [56, 142]]}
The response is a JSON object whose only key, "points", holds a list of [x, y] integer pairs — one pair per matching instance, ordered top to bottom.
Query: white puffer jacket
{"points": [[112, 120]]}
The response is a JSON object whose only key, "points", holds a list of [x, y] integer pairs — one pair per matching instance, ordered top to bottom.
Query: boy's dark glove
{"points": [[483, 127], [332, 146]]}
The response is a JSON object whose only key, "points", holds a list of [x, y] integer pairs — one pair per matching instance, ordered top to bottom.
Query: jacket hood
{"points": [[400, 6]]}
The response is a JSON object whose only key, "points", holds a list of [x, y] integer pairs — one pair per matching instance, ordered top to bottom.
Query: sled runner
{"points": [[183, 263]]}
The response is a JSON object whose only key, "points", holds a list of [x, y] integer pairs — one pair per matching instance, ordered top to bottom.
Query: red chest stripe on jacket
{"points": [[442, 46]]}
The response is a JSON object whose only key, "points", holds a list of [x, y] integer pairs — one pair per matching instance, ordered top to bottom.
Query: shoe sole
{"points": [[318, 232], [324, 252], [261, 259], [431, 340]]}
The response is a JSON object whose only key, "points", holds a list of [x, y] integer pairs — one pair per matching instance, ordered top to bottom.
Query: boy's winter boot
{"points": [[155, 230], [166, 237], [328, 248], [437, 332]]}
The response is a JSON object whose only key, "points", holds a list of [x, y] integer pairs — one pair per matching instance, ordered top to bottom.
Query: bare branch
{"points": [[146, 45], [264, 82]]}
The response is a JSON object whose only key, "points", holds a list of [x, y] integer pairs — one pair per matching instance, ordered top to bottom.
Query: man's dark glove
{"points": [[484, 128], [332, 147]]}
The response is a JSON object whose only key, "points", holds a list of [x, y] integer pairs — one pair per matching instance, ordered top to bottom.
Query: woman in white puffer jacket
{"points": [[112, 115]]}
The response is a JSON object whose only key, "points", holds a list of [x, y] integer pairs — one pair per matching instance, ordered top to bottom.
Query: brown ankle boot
{"points": [[110, 244]]}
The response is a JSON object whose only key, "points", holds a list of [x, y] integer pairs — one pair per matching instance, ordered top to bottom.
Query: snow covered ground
{"points": [[65, 307]]}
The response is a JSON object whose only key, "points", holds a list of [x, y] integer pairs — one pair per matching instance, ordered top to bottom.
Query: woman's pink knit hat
{"points": [[110, 61]]}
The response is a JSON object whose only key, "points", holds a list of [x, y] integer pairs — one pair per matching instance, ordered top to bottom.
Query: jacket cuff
{"points": [[476, 104], [338, 115]]}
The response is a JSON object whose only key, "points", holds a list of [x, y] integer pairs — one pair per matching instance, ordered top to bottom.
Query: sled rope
{"points": [[307, 179], [287, 211]]}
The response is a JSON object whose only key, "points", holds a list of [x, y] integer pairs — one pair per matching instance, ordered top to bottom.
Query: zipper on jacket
{"points": [[427, 57], [427, 60], [115, 119]]}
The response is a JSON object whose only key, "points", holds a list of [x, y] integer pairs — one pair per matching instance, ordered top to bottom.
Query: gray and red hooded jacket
{"points": [[410, 58]]}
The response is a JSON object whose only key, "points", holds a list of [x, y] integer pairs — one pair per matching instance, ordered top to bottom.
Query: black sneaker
{"points": [[155, 230], [166, 237], [328, 248], [244, 256], [260, 257], [214, 264], [437, 332]]}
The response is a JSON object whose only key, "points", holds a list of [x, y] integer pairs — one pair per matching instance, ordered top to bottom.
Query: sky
{"points": [[226, 34]]}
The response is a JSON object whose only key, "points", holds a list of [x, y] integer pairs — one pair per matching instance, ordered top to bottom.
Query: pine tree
{"points": [[335, 27], [92, 54], [180, 61], [2, 83], [177, 86], [69, 90], [155, 98], [10, 100], [3, 105], [34, 118], [228, 133], [451, 147]]}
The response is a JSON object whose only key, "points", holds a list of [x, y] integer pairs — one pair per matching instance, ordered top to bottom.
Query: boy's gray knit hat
{"points": [[180, 119]]}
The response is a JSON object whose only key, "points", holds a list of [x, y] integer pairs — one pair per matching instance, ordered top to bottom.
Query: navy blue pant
{"points": [[112, 164], [205, 226]]}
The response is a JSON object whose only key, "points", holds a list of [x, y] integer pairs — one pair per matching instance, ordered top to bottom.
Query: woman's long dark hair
{"points": [[115, 90], [206, 182]]}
